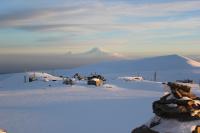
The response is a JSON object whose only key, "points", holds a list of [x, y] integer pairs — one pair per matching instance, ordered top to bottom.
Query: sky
{"points": [[128, 27]]}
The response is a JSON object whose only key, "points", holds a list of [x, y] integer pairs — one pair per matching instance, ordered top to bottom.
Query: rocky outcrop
{"points": [[178, 104]]}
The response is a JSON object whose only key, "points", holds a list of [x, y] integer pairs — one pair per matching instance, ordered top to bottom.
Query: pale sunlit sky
{"points": [[129, 27]]}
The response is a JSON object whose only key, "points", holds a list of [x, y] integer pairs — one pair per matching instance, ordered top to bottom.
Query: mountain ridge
{"points": [[166, 62]]}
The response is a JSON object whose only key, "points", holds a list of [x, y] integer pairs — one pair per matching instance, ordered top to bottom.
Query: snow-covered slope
{"points": [[170, 62], [192, 62], [170, 68], [51, 107], [113, 108]]}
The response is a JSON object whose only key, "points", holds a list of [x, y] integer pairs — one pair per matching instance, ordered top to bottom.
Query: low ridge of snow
{"points": [[119, 55], [192, 62], [43, 76], [131, 78]]}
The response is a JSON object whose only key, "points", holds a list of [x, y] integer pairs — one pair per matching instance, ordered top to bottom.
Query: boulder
{"points": [[179, 90]]}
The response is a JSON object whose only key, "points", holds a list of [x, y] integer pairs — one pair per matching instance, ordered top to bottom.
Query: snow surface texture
{"points": [[116, 107], [175, 126]]}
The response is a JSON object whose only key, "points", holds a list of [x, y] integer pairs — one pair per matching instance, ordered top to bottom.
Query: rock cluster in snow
{"points": [[178, 106]]}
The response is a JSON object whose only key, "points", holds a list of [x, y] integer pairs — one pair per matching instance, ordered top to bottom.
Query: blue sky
{"points": [[128, 27]]}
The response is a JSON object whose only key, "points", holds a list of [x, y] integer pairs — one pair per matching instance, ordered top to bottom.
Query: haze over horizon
{"points": [[45, 62]]}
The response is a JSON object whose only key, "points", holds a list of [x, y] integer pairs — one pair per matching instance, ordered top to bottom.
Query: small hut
{"points": [[97, 76], [95, 81]]}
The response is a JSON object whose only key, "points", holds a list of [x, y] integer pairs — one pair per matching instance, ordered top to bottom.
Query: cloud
{"points": [[156, 9], [95, 13], [20, 17], [83, 23], [79, 29]]}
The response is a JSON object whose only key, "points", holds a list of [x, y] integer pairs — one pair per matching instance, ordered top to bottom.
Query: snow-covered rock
{"points": [[41, 76], [178, 111]]}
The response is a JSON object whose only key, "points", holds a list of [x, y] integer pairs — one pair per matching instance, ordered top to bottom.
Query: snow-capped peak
{"points": [[96, 51]]}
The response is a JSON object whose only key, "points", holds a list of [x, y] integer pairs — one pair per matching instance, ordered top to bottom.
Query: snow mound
{"points": [[43, 76], [133, 78], [112, 88]]}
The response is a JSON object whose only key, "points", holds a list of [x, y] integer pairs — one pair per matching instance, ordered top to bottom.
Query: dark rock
{"points": [[78, 76], [96, 76], [68, 81], [95, 82], [179, 90], [180, 104], [177, 108], [154, 123], [143, 129]]}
